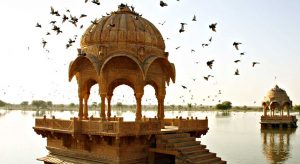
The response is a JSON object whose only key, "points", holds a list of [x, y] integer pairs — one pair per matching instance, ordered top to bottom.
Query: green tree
{"points": [[2, 103], [24, 103], [49, 103], [39, 104], [94, 104], [71, 105], [189, 105], [224, 105], [296, 108]]}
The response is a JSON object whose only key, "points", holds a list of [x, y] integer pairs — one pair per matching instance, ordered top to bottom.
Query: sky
{"points": [[268, 30]]}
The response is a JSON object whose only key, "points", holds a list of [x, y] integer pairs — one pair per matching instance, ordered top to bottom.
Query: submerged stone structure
{"points": [[123, 48], [277, 99]]}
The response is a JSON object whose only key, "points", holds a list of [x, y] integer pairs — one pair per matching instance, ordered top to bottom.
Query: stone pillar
{"points": [[108, 97], [138, 97], [265, 107], [161, 111], [80, 112], [85, 113], [102, 113]]}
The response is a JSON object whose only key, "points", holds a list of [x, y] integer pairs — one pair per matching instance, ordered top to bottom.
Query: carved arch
{"points": [[135, 60], [166, 65], [74, 66]]}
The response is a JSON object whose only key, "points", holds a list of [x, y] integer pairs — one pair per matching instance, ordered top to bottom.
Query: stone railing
{"points": [[278, 118], [57, 124], [188, 124], [97, 127]]}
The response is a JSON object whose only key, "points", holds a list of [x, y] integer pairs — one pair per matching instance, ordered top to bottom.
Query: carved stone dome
{"points": [[123, 29], [278, 95]]}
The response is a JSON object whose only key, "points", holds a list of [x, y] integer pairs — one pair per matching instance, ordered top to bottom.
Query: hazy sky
{"points": [[269, 31]]}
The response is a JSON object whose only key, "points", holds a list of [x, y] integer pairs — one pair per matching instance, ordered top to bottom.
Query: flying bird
{"points": [[96, 2], [163, 4], [53, 12], [82, 16], [64, 18], [194, 18], [52, 22], [94, 22], [162, 23], [38, 25], [182, 27], [213, 27], [57, 29], [210, 39], [44, 43], [204, 45], [236, 45], [177, 47], [192, 50], [242, 53], [236, 61], [210, 63], [253, 63], [237, 72], [207, 77], [184, 87]]}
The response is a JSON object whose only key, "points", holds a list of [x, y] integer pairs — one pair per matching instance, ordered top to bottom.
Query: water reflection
{"points": [[223, 114], [276, 144]]}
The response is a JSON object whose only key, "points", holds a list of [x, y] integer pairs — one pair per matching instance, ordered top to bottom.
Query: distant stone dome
{"points": [[123, 29], [278, 95]]}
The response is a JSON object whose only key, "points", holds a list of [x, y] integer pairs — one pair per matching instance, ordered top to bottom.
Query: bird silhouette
{"points": [[96, 2], [163, 4], [53, 12], [82, 16], [64, 18], [194, 18], [73, 20], [52, 22], [94, 22], [162, 23], [38, 25], [182, 27], [213, 27], [57, 29], [48, 33], [210, 39], [44, 43], [204, 45], [236, 45], [177, 47], [192, 50], [242, 53], [236, 61], [210, 63], [253, 63], [237, 72], [207, 77], [184, 87]]}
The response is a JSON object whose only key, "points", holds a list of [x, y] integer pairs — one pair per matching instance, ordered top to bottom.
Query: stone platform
{"points": [[278, 121], [117, 141]]}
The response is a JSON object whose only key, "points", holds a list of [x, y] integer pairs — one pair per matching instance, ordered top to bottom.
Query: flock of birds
{"points": [[68, 17], [213, 28]]}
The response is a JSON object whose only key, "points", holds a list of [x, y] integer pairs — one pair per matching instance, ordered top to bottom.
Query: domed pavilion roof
{"points": [[123, 29], [278, 95]]}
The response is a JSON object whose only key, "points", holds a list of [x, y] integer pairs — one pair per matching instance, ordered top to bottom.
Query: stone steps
{"points": [[174, 140], [191, 150]]}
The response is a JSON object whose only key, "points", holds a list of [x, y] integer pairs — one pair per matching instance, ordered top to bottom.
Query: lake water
{"points": [[235, 136]]}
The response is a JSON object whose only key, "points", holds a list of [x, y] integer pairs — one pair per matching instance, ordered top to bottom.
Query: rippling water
{"points": [[235, 136]]}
